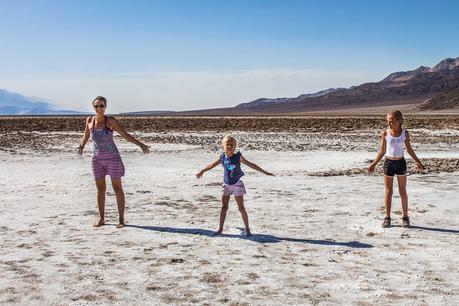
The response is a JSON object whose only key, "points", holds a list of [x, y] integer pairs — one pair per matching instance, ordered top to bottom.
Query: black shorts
{"points": [[392, 167]]}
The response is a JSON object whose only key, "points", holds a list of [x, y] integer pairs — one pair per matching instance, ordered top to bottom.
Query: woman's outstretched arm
{"points": [[114, 123], [85, 137]]}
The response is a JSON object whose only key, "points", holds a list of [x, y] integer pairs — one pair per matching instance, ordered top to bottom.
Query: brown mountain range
{"points": [[405, 87], [399, 88], [419, 90]]}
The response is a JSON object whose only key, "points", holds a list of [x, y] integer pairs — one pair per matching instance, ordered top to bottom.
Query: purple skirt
{"points": [[107, 163], [237, 189]]}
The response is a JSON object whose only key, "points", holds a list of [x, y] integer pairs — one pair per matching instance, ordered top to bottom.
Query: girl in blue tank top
{"points": [[231, 160], [232, 171]]}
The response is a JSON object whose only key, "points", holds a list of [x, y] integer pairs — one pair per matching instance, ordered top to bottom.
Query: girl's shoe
{"points": [[386, 222], [406, 222]]}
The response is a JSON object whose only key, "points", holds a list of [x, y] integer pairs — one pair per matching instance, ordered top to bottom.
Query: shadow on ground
{"points": [[434, 229], [261, 238]]}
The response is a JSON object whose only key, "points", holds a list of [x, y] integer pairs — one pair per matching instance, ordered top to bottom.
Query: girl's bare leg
{"points": [[100, 184], [388, 184], [403, 194], [120, 201], [225, 201], [245, 217]]}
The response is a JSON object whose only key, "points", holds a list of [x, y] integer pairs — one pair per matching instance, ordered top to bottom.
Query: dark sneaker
{"points": [[386, 222], [406, 222]]}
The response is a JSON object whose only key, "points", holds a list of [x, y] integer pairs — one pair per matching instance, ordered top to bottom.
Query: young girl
{"points": [[393, 141], [106, 159], [231, 160]]}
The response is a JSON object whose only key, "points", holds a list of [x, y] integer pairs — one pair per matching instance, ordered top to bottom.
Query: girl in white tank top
{"points": [[395, 145], [392, 148]]}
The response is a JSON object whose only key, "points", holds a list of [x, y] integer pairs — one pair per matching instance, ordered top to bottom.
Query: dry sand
{"points": [[317, 238]]}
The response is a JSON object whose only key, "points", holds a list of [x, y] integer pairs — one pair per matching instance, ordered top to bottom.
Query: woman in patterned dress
{"points": [[106, 159]]}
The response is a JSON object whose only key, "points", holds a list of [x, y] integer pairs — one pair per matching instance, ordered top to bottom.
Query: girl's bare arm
{"points": [[114, 123], [85, 137], [410, 151], [381, 152], [254, 166], [207, 168]]}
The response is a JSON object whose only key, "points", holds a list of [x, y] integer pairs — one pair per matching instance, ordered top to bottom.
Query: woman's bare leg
{"points": [[100, 184], [120, 200]]}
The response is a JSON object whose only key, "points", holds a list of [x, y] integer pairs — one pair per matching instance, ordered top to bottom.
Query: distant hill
{"points": [[404, 87], [398, 88], [423, 89], [447, 100], [266, 101], [16, 104]]}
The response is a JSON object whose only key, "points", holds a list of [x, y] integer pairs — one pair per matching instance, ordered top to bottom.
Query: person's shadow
{"points": [[434, 229], [261, 238]]}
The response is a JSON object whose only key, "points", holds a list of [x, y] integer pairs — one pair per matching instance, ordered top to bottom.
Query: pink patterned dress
{"points": [[106, 159]]}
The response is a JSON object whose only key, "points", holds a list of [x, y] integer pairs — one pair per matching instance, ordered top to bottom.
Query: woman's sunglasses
{"points": [[99, 106]]}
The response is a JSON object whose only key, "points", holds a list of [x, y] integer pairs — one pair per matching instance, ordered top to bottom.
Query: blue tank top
{"points": [[232, 171]]}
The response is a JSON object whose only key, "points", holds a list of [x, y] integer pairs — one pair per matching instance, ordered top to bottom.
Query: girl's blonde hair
{"points": [[397, 115], [229, 138]]}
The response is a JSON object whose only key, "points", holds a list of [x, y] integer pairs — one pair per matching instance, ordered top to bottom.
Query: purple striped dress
{"points": [[106, 159]]}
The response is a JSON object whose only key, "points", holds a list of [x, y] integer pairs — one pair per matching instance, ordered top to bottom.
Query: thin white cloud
{"points": [[185, 90]]}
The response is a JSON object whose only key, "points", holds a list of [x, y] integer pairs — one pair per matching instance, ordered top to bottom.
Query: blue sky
{"points": [[157, 55]]}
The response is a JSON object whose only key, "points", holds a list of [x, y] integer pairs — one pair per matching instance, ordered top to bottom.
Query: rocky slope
{"points": [[447, 100]]}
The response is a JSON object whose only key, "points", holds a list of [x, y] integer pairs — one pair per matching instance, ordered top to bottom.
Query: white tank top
{"points": [[395, 145]]}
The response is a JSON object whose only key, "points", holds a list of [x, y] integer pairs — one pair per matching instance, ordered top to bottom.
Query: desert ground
{"points": [[317, 236]]}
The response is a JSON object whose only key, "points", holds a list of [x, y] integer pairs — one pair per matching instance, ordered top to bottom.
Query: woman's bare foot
{"points": [[100, 223], [120, 224], [217, 233], [248, 233]]}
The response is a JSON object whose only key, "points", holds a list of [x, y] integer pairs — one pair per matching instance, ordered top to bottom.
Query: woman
{"points": [[106, 159]]}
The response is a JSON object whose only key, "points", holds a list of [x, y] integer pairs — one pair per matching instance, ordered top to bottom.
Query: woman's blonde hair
{"points": [[397, 115], [229, 138]]}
